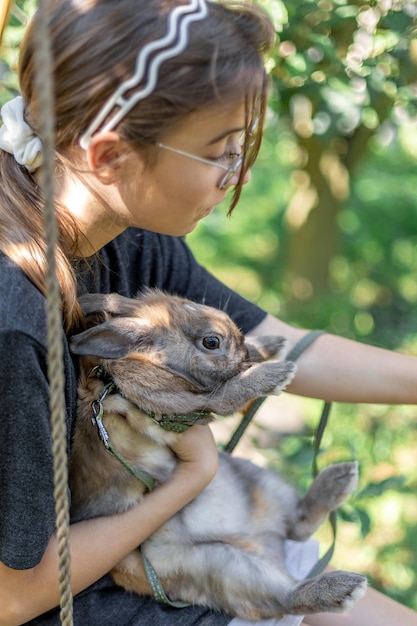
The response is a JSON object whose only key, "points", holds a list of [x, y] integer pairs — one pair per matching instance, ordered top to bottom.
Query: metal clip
{"points": [[97, 407], [104, 436]]}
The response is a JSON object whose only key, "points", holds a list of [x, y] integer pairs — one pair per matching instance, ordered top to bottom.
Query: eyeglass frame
{"points": [[230, 171]]}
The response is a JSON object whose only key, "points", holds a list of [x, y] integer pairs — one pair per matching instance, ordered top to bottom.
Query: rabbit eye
{"points": [[211, 343]]}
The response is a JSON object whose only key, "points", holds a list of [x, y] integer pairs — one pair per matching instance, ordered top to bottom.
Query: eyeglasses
{"points": [[230, 170]]}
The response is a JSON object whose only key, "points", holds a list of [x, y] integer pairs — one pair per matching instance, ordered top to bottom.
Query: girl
{"points": [[159, 109]]}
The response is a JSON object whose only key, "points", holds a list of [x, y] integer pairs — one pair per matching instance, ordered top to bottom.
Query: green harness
{"points": [[176, 422]]}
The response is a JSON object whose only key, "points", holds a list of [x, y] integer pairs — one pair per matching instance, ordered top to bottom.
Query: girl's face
{"points": [[176, 192]]}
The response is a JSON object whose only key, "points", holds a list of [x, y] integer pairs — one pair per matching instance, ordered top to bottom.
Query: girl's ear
{"points": [[104, 156]]}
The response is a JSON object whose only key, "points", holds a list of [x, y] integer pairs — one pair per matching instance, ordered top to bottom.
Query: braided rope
{"points": [[44, 89]]}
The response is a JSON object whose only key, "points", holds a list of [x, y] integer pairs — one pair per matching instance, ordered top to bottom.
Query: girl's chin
{"points": [[208, 211]]}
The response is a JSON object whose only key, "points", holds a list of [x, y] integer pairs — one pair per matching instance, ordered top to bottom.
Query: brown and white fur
{"points": [[224, 550]]}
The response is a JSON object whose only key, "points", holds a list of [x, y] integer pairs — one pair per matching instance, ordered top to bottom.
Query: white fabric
{"points": [[17, 137], [300, 558]]}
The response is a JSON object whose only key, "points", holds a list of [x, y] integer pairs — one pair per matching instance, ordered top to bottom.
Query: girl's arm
{"points": [[341, 370], [97, 545]]}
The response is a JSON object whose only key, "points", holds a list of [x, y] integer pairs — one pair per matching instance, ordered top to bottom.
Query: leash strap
{"points": [[293, 355], [98, 409], [179, 422], [243, 424], [145, 478], [323, 562], [156, 586]]}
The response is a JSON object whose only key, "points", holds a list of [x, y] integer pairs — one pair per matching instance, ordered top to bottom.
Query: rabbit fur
{"points": [[224, 550]]}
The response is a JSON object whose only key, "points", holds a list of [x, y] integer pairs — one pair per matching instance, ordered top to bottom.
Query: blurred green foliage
{"points": [[9, 50], [341, 73], [325, 237]]}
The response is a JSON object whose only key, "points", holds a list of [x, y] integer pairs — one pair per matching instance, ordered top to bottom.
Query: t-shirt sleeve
{"points": [[150, 260], [27, 517]]}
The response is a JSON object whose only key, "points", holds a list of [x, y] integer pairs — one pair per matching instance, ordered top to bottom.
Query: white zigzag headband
{"points": [[172, 44]]}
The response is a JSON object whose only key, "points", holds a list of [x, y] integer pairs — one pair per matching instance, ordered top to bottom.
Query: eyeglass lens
{"points": [[239, 159], [231, 172]]}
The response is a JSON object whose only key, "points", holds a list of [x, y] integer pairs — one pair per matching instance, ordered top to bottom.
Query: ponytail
{"points": [[22, 234]]}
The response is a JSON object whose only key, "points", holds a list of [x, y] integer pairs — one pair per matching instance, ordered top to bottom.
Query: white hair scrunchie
{"points": [[17, 137]]}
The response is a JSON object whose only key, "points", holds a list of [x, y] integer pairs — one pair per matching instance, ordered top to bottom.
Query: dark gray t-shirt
{"points": [[27, 519]]}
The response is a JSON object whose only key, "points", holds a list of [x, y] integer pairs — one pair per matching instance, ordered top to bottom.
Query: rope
{"points": [[44, 91]]}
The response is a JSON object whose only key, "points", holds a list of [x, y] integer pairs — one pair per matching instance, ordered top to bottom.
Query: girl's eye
{"points": [[232, 149], [227, 157]]}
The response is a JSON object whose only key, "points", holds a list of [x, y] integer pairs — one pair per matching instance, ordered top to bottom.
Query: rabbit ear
{"points": [[110, 303], [113, 339], [264, 347]]}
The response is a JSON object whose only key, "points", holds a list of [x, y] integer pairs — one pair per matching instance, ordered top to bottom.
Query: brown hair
{"points": [[95, 44]]}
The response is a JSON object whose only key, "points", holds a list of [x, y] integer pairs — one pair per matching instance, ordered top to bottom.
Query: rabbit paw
{"points": [[336, 482], [331, 592]]}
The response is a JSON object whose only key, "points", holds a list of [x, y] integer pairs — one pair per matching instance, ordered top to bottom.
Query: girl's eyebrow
{"points": [[225, 134]]}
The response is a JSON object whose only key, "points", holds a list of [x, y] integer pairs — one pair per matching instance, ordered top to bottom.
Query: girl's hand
{"points": [[196, 450], [26, 594]]}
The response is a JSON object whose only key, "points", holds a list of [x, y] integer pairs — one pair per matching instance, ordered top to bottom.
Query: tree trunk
{"points": [[322, 187]]}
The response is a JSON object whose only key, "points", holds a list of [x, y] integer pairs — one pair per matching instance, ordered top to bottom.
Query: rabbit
{"points": [[167, 356]]}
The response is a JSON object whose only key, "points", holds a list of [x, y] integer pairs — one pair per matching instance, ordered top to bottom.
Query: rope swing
{"points": [[45, 98]]}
